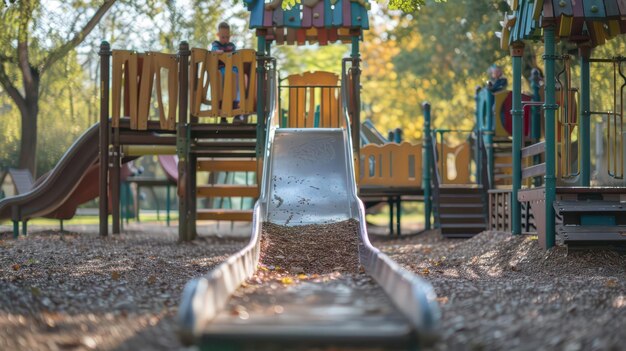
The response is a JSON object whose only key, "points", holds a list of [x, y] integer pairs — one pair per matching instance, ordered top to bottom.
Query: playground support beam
{"points": [[517, 50], [105, 59], [261, 80], [356, 100], [549, 107], [584, 131], [183, 133], [426, 165], [114, 179]]}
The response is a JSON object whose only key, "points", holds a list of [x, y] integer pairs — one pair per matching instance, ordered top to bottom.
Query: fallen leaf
{"points": [[16, 267], [425, 271], [115, 275], [152, 279], [287, 280], [611, 283]]}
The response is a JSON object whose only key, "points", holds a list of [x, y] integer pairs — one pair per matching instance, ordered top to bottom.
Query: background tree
{"points": [[29, 47]]}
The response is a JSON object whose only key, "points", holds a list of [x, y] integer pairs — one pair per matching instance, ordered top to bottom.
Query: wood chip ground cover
{"points": [[83, 292], [497, 292], [500, 292]]}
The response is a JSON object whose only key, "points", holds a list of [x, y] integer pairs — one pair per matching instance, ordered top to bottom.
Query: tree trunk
{"points": [[28, 144]]}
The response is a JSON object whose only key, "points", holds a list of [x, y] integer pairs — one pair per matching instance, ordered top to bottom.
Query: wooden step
{"points": [[223, 131], [225, 144], [223, 153], [227, 165], [227, 190], [562, 207], [224, 215], [465, 218], [461, 230], [585, 234]]}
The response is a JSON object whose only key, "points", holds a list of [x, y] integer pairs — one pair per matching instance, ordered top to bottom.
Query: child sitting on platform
{"points": [[222, 45]]}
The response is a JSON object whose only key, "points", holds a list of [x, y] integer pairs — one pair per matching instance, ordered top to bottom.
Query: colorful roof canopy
{"points": [[320, 21], [578, 21]]}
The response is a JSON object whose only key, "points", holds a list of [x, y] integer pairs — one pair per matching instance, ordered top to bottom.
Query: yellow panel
{"points": [[124, 60], [318, 88], [498, 100], [461, 156], [234, 165], [388, 165], [227, 190], [224, 215]]}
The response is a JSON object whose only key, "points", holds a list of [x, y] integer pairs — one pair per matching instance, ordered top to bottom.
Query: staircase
{"points": [[224, 148], [502, 162], [461, 210], [590, 222]]}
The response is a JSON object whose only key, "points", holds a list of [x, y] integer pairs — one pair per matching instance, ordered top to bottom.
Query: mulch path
{"points": [[82, 292], [499, 292]]}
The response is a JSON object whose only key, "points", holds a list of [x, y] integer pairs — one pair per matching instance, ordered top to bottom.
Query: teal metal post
{"points": [[517, 50], [261, 81], [356, 97], [549, 107], [535, 125], [478, 129], [584, 130], [488, 133], [426, 165], [167, 205], [24, 227], [16, 229]]}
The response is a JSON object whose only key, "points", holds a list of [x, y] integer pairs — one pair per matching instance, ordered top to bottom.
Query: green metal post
{"points": [[517, 50], [261, 85], [356, 107], [549, 107], [535, 124], [584, 130], [488, 132], [183, 133], [479, 134], [426, 165], [167, 204], [61, 224], [24, 227], [16, 229]]}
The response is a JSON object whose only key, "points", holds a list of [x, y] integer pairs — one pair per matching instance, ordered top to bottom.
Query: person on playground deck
{"points": [[223, 44], [496, 81]]}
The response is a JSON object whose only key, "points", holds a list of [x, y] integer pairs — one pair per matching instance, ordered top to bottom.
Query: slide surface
{"points": [[73, 181]]}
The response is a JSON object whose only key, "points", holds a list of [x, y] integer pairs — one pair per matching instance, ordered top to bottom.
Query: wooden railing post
{"points": [[517, 50], [105, 60], [549, 107], [426, 165]]}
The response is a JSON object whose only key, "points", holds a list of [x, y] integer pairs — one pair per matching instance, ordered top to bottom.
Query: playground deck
{"points": [[496, 291]]}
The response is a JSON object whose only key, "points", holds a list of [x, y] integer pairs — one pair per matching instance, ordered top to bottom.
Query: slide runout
{"points": [[309, 179]]}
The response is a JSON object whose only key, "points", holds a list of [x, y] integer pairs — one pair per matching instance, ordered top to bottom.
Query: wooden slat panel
{"points": [[621, 5], [594, 9], [612, 9], [346, 12], [318, 14], [338, 14], [356, 14], [256, 15], [267, 17], [291, 17], [307, 17], [328, 17], [579, 17], [278, 18], [279, 34], [291, 36], [301, 36], [170, 63], [534, 149], [235, 165], [533, 171], [227, 190], [224, 215]]}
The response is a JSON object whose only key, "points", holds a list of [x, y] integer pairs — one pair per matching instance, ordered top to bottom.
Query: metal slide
{"points": [[308, 178], [58, 187]]}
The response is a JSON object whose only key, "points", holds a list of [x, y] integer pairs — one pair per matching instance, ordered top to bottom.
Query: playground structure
{"points": [[311, 166], [553, 180]]}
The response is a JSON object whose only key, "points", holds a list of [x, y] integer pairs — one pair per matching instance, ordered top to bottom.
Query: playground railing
{"points": [[134, 78], [225, 92], [314, 101], [453, 162], [391, 165]]}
